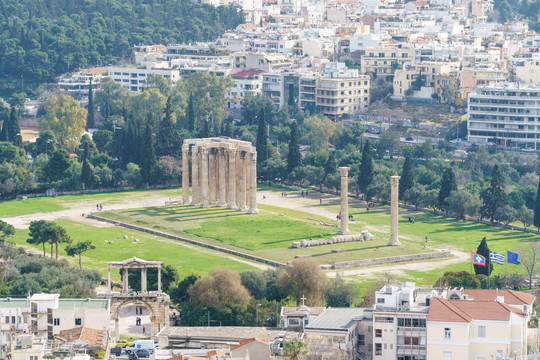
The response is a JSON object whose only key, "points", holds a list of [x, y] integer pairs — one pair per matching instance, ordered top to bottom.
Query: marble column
{"points": [[185, 174], [212, 175], [238, 175], [247, 175], [204, 179], [232, 179], [242, 183], [222, 184], [253, 184], [195, 188], [394, 210], [344, 228], [159, 279], [125, 283], [144, 287], [109, 289]]}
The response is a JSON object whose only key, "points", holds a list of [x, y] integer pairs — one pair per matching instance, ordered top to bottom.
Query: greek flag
{"points": [[496, 258]]}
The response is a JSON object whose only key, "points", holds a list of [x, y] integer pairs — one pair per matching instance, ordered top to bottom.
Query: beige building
{"points": [[383, 61], [528, 71], [435, 76], [471, 78], [342, 91], [475, 329], [256, 349]]}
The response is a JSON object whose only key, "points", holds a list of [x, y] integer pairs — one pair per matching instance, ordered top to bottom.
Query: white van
{"points": [[149, 345]]}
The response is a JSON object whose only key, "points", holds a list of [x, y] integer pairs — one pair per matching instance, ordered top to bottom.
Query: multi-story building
{"points": [[383, 61], [528, 71], [134, 78], [471, 78], [406, 81], [245, 82], [78, 84], [308, 91], [341, 91], [506, 115], [399, 323], [463, 327]]}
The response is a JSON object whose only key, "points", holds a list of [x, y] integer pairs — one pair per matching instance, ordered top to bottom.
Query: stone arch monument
{"points": [[223, 173], [157, 302]]}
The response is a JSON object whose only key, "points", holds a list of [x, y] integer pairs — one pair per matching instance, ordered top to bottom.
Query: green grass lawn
{"points": [[49, 204], [186, 259]]}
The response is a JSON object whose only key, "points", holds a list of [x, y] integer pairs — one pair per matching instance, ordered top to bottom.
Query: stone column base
{"points": [[232, 206], [242, 209], [253, 211], [344, 232], [394, 242]]}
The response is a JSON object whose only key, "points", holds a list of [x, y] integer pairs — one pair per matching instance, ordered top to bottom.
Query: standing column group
{"points": [[223, 173]]}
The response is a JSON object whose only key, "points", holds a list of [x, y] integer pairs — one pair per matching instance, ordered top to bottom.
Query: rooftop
{"points": [[511, 297], [83, 303], [467, 310], [339, 319], [223, 333]]}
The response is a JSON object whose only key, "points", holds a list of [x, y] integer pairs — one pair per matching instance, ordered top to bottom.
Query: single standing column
{"points": [[185, 174], [212, 175], [247, 175], [204, 178], [232, 179], [242, 185], [253, 185], [195, 188], [222, 198], [394, 198], [344, 229], [109, 278], [159, 279], [143, 281], [125, 284]]}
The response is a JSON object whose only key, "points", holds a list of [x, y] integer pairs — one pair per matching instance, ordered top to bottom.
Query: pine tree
{"points": [[90, 116], [191, 125], [14, 130], [228, 130], [205, 132], [4, 134], [167, 138], [262, 140], [148, 158], [294, 158], [330, 167], [86, 172], [365, 176], [407, 177], [448, 184], [494, 197], [537, 209], [483, 250]]}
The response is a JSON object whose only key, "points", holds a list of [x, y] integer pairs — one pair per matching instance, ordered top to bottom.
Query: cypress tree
{"points": [[191, 114], [90, 117], [206, 129], [14, 130], [228, 130], [4, 134], [167, 138], [262, 140], [148, 158], [294, 158], [330, 167], [86, 172], [365, 176], [407, 177], [448, 184], [494, 197], [537, 208], [483, 250]]}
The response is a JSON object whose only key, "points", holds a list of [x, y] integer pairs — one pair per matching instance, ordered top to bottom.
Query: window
{"points": [[7, 319], [13, 319], [56, 321], [78, 321], [294, 322], [481, 331], [378, 332], [447, 333], [361, 340], [378, 349]]}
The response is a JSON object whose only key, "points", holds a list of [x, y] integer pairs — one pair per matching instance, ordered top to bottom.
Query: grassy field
{"points": [[35, 205], [186, 259]]}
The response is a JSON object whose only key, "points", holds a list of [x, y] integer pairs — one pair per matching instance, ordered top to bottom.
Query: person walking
{"points": [[320, 201], [144, 329]]}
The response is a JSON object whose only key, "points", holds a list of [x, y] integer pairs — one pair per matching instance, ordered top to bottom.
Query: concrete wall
{"points": [[391, 260]]}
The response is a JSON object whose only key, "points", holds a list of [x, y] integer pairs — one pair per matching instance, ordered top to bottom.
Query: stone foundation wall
{"points": [[391, 260]]}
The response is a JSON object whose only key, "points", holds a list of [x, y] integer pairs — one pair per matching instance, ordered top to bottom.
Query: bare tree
{"points": [[529, 255], [303, 277]]}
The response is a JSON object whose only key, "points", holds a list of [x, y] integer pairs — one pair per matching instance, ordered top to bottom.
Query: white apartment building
{"points": [[383, 61], [134, 78], [244, 82], [78, 84], [307, 91], [341, 91], [507, 115], [399, 323]]}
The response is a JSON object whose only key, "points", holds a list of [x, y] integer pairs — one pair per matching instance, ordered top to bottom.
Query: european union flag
{"points": [[512, 258]]}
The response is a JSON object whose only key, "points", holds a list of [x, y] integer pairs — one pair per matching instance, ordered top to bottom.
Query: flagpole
{"points": [[471, 263]]}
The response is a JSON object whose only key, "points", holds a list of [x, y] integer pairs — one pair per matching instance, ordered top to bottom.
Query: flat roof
{"points": [[13, 303], [83, 303], [341, 319], [223, 333]]}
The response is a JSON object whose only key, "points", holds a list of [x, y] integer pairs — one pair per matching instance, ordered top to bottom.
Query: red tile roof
{"points": [[246, 73], [511, 297], [466, 310], [87, 335], [248, 341], [215, 352]]}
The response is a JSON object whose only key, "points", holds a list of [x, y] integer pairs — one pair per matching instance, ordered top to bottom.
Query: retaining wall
{"points": [[391, 260]]}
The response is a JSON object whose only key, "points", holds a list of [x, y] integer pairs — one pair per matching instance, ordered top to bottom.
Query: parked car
{"points": [[409, 138], [123, 343], [117, 350], [143, 353], [133, 356]]}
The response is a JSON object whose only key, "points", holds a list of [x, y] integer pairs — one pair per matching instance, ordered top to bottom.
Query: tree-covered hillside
{"points": [[40, 39]]}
